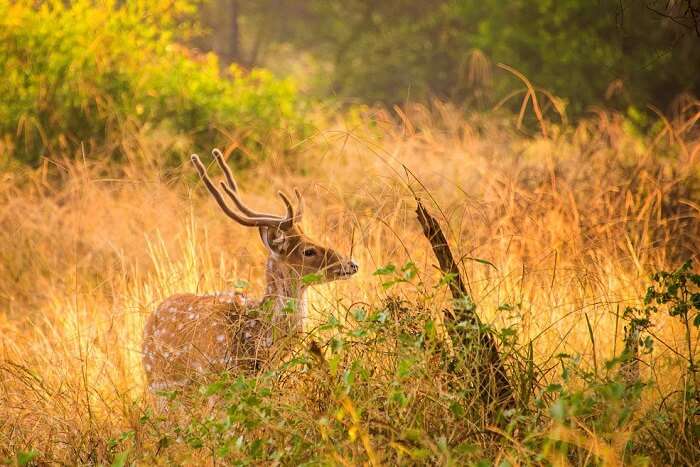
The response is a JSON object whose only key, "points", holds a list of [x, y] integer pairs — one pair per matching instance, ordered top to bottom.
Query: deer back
{"points": [[190, 336]]}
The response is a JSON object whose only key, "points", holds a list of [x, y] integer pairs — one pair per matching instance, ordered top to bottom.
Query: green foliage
{"points": [[398, 50], [86, 73], [407, 273], [677, 291], [678, 294], [604, 404], [26, 458], [120, 459]]}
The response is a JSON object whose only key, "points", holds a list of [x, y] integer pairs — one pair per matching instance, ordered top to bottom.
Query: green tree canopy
{"points": [[581, 50]]}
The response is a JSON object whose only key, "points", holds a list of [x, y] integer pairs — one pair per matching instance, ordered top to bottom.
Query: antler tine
{"points": [[219, 157], [232, 189], [300, 204], [289, 220], [247, 221], [282, 222]]}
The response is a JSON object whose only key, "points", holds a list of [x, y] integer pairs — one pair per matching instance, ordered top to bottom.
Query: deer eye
{"points": [[308, 252]]}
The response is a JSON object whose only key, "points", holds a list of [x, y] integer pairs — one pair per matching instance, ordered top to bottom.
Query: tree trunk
{"points": [[220, 18]]}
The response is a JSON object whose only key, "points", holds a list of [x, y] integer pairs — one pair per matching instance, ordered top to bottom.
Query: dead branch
{"points": [[465, 325]]}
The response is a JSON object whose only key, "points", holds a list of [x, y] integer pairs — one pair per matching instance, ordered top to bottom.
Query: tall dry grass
{"points": [[564, 229]]}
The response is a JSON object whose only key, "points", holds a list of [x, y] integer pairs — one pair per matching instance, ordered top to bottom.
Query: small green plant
{"points": [[677, 294], [608, 404], [27, 457]]}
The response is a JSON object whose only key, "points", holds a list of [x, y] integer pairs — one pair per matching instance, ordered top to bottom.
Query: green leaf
{"points": [[482, 261], [385, 271], [409, 271], [447, 278], [311, 279], [695, 279], [695, 300], [464, 303], [290, 306], [680, 310], [359, 314], [381, 317], [696, 321], [332, 323], [429, 329], [359, 332], [337, 344], [405, 368], [348, 377], [213, 388], [169, 395], [399, 397], [457, 409], [558, 411], [145, 417], [195, 442], [466, 447], [256, 449], [223, 451], [419, 454], [24, 458], [120, 459]]}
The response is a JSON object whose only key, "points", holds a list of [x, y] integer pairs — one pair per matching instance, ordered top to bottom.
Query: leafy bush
{"points": [[86, 73]]}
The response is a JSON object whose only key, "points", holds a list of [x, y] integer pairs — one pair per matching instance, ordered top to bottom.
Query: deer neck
{"points": [[287, 293]]}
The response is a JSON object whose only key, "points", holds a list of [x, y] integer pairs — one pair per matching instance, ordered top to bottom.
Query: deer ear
{"points": [[274, 240]]}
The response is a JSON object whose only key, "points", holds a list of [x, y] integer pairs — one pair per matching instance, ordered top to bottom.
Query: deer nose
{"points": [[353, 267]]}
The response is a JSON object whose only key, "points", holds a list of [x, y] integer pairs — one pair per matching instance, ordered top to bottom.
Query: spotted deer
{"points": [[191, 336]]}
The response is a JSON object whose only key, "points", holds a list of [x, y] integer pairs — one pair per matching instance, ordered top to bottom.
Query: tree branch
{"points": [[493, 384]]}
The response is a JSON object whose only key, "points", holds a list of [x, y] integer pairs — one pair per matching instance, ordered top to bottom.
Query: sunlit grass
{"points": [[561, 229]]}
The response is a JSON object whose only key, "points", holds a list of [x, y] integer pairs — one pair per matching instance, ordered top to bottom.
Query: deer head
{"points": [[284, 239]]}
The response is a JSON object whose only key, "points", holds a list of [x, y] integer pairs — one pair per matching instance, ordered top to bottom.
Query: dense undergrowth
{"points": [[557, 236]]}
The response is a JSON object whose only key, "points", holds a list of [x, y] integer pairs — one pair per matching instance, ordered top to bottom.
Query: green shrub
{"points": [[85, 73]]}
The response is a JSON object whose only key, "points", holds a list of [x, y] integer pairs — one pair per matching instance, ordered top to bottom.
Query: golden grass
{"points": [[572, 224]]}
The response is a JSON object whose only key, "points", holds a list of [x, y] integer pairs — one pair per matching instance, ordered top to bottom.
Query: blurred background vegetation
{"points": [[396, 50], [80, 75]]}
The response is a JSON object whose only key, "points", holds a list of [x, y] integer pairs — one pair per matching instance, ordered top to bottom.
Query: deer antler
{"points": [[233, 187], [249, 217]]}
